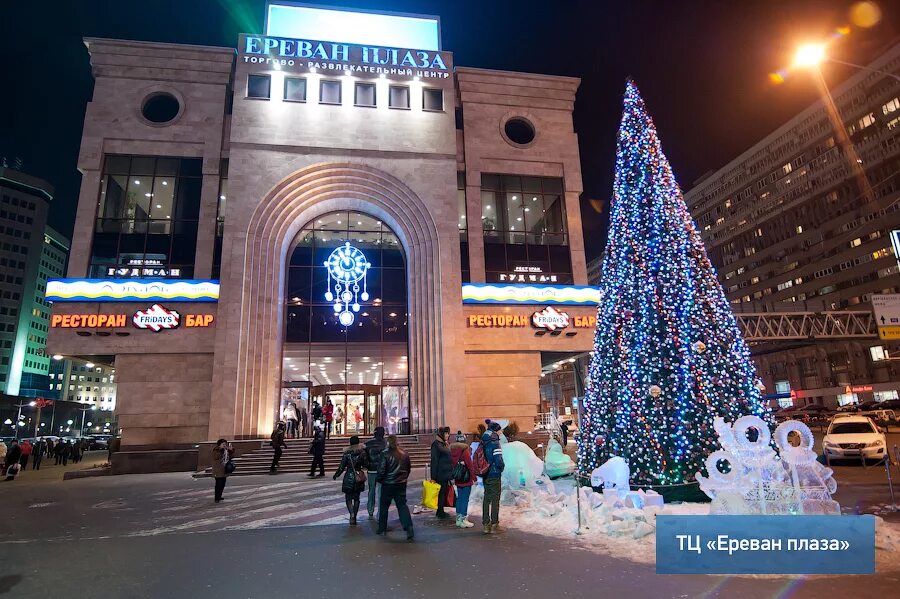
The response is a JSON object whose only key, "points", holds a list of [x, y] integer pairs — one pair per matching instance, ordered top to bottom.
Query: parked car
{"points": [[880, 414], [853, 436], [96, 442]]}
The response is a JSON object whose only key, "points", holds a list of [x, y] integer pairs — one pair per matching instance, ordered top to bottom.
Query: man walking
{"points": [[304, 421], [277, 444], [317, 449], [375, 449], [38, 453], [493, 455], [441, 468], [393, 474]]}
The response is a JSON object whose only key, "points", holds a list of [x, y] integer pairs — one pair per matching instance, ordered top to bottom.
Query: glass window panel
{"points": [[259, 86], [295, 89], [329, 92], [364, 94], [399, 96], [433, 99], [118, 165], [143, 165], [167, 167], [190, 167], [491, 182], [512, 183], [531, 185], [552, 185], [113, 197], [162, 197], [137, 202], [187, 205], [533, 208], [461, 209], [514, 213], [554, 214], [489, 218], [335, 220], [363, 222], [158, 227], [131, 243], [159, 246], [105, 247], [184, 247], [303, 253], [392, 255], [538, 255], [495, 257], [559, 259], [299, 285], [320, 285], [393, 285], [324, 326], [395, 328], [364, 329]]}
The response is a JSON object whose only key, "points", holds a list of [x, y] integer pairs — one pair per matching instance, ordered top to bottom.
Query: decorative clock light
{"points": [[347, 267]]}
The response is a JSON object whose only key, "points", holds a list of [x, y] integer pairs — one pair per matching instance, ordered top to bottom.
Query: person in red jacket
{"points": [[328, 414], [26, 453], [461, 455]]}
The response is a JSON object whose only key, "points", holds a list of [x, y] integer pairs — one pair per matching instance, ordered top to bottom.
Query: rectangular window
{"points": [[259, 86], [294, 89], [329, 91], [364, 94], [399, 97], [433, 99], [891, 106], [878, 353], [782, 387], [886, 395], [847, 398]]}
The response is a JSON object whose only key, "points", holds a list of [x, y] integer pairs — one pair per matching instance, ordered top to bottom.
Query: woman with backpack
{"points": [[354, 463], [463, 477]]}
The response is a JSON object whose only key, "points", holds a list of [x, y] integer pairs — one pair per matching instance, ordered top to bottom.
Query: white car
{"points": [[852, 436]]}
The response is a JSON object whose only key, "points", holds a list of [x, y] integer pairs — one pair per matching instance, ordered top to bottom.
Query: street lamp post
{"points": [[21, 405], [84, 410]]}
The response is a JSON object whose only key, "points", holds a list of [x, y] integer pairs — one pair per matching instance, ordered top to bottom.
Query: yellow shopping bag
{"points": [[430, 490]]}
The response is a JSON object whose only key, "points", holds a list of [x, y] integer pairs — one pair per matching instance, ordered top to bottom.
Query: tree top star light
{"points": [[668, 356]]}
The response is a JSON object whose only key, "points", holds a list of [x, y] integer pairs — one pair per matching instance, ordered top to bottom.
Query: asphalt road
{"points": [[161, 536]]}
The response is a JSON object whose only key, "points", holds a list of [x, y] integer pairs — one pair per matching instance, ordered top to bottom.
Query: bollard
{"points": [[887, 469], [578, 501]]}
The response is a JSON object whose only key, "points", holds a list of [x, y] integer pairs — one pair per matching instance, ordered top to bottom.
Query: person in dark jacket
{"points": [[316, 415], [564, 429], [278, 445], [50, 447], [40, 448], [317, 449], [375, 449], [58, 451], [222, 453], [460, 454], [13, 455], [353, 466], [441, 468], [393, 472], [490, 508]]}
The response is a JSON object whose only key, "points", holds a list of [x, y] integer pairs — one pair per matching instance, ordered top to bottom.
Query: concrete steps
{"points": [[296, 457]]}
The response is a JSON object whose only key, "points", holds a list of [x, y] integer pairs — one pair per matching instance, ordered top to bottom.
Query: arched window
{"points": [[346, 337]]}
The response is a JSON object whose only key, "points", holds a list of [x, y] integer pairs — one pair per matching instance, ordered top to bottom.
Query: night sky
{"points": [[702, 66]]}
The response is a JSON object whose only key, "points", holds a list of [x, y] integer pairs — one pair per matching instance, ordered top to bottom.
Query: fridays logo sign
{"points": [[156, 318], [550, 318]]}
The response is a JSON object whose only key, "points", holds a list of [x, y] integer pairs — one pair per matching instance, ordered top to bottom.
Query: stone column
{"points": [[206, 226], [474, 228]]}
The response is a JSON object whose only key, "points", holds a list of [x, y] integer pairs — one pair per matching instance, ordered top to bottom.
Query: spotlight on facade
{"points": [[57, 357]]}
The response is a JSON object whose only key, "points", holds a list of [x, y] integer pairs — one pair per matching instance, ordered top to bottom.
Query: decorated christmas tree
{"points": [[668, 355]]}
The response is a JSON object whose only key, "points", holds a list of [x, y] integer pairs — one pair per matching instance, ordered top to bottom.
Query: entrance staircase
{"points": [[296, 458]]}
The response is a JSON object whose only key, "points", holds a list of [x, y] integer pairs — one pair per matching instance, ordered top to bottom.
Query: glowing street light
{"points": [[809, 55]]}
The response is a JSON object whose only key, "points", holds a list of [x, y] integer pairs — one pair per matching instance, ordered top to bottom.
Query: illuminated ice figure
{"points": [[347, 267], [748, 477]]}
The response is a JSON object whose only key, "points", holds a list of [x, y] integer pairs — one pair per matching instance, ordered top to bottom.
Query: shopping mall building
{"points": [[346, 219]]}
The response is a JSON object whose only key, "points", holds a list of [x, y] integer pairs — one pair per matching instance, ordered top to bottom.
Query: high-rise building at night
{"points": [[791, 225], [30, 253]]}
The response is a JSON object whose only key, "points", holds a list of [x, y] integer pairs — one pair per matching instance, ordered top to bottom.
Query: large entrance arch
{"points": [[251, 325]]}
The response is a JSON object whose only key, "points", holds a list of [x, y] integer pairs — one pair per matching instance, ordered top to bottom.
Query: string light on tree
{"points": [[668, 355]]}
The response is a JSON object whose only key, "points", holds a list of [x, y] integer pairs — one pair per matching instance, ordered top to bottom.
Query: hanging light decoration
{"points": [[347, 267]]}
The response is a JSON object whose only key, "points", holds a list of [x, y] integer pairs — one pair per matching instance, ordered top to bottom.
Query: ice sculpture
{"points": [[556, 463], [521, 466], [614, 473], [747, 476]]}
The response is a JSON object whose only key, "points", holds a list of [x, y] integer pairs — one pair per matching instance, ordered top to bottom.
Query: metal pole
{"points": [[887, 469], [578, 502]]}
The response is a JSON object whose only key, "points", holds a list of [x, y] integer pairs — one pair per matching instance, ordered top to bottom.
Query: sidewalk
{"points": [[52, 473]]}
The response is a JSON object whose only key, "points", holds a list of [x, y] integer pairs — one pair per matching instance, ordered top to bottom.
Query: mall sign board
{"points": [[132, 290], [571, 295]]}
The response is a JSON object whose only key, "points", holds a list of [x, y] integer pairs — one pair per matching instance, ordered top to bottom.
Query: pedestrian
{"points": [[328, 414], [289, 415], [316, 416], [357, 419], [304, 421], [339, 421], [564, 429], [277, 444], [51, 446], [27, 448], [317, 449], [375, 449], [3, 451], [58, 451], [66, 453], [38, 454], [222, 454], [13, 455], [493, 455], [354, 463], [441, 468], [393, 473], [463, 477]]}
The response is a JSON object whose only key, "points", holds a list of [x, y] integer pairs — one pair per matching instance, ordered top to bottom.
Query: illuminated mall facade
{"points": [[295, 220]]}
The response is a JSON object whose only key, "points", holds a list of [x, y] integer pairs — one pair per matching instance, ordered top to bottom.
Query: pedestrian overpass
{"points": [[806, 326]]}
